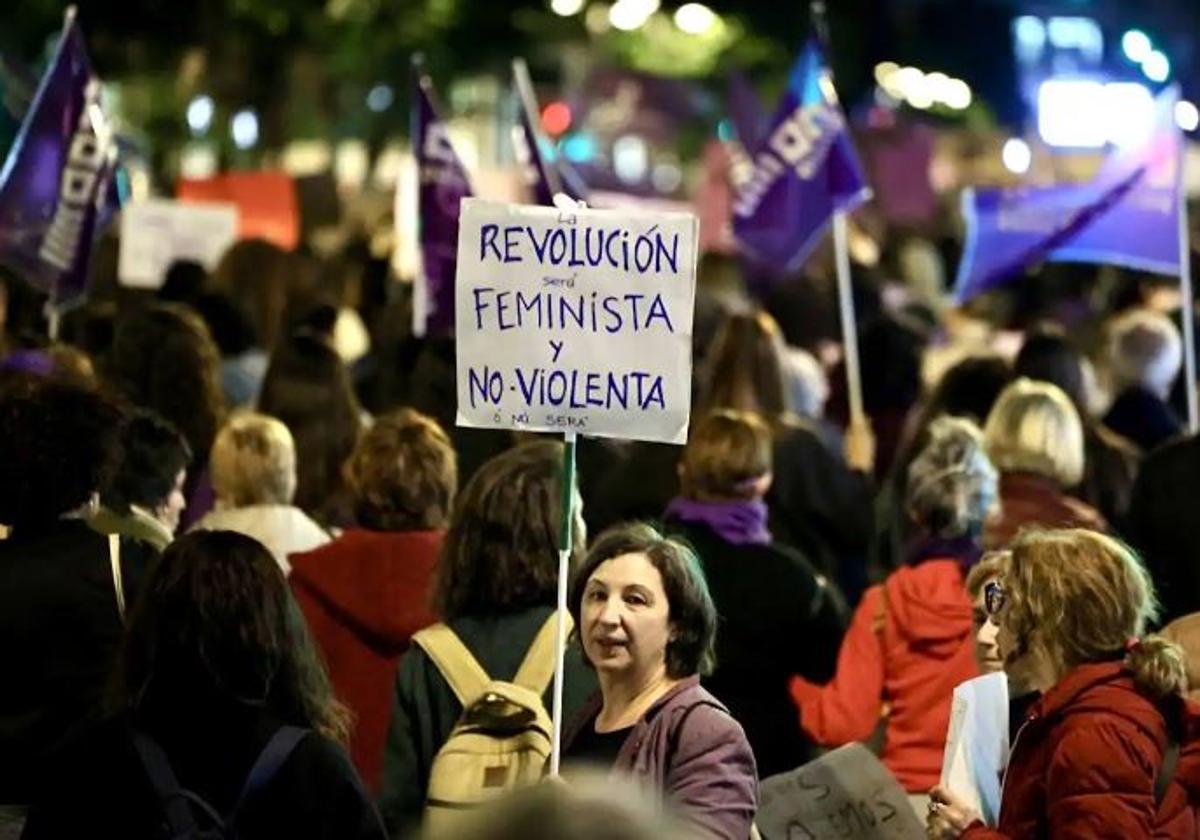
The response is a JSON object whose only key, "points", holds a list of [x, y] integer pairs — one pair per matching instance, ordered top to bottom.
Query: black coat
{"points": [[1143, 418], [1164, 524], [778, 617], [59, 632], [425, 709], [98, 787]]}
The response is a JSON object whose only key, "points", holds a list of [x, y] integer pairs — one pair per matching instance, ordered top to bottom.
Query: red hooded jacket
{"points": [[364, 596], [909, 663], [1085, 762]]}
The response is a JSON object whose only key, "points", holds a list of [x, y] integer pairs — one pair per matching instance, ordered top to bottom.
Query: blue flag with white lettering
{"points": [[805, 170], [54, 187], [1127, 215]]}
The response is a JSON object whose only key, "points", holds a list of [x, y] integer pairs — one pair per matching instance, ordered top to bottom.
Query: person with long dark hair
{"points": [[217, 676]]}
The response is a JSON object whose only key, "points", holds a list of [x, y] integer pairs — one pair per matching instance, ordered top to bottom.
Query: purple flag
{"points": [[746, 110], [805, 170], [541, 172], [443, 184], [54, 188], [1127, 215]]}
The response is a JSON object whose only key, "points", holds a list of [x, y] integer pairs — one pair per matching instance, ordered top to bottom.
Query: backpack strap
{"points": [[114, 561], [537, 668], [461, 670], [269, 761], [1166, 771], [174, 799]]}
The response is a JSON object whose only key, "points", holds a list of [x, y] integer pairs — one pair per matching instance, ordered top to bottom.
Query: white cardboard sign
{"points": [[156, 232], [575, 320], [977, 743], [846, 793]]}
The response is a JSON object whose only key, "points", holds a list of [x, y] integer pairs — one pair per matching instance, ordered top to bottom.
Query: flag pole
{"points": [[841, 247], [1189, 306], [849, 320], [564, 569]]}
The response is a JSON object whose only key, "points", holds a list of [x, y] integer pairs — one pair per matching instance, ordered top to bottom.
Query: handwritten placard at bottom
{"points": [[847, 793]]}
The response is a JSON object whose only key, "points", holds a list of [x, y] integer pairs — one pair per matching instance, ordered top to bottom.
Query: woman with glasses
{"points": [[1097, 754]]}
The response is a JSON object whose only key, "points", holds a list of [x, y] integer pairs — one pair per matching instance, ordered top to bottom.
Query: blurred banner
{"points": [[898, 159], [805, 169], [443, 184], [55, 188], [266, 203], [1128, 215], [157, 232]]}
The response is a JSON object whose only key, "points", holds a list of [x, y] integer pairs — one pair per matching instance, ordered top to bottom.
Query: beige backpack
{"points": [[502, 739]]}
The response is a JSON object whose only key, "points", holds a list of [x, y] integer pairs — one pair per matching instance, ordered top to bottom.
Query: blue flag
{"points": [[805, 170], [542, 174], [55, 185], [443, 185], [1127, 215]]}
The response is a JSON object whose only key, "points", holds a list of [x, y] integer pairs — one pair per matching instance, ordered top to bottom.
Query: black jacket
{"points": [[1143, 418], [820, 506], [1164, 524], [778, 617], [59, 632], [425, 709], [98, 786]]}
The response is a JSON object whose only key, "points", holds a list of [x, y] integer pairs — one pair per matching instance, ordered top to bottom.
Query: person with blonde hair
{"points": [[1145, 354], [1034, 437], [253, 466], [766, 593], [911, 639], [1096, 754]]}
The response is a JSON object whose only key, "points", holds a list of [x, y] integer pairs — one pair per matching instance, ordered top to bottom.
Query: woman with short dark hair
{"points": [[145, 498], [63, 586], [495, 589], [648, 627], [216, 674]]}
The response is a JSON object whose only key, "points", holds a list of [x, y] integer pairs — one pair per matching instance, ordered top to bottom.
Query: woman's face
{"points": [[171, 509], [626, 618], [987, 647]]}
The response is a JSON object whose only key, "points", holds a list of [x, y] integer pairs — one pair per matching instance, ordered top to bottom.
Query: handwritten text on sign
{"points": [[575, 320], [847, 793]]}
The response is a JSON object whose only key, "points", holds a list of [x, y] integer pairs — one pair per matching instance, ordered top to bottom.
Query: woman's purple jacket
{"points": [[692, 749]]}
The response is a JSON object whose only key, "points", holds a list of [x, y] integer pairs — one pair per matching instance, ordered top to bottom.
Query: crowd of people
{"points": [[253, 577]]}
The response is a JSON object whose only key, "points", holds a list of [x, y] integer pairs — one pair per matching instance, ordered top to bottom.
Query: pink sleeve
{"points": [[848, 707]]}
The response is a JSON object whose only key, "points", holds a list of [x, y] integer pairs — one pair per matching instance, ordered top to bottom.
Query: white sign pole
{"points": [[849, 321], [564, 570]]}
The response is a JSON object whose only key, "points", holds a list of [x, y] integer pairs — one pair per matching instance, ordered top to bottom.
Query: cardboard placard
{"points": [[156, 232], [575, 320], [846, 793]]}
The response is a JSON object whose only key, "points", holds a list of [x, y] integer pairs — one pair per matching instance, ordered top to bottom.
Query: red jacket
{"points": [[1028, 500], [364, 596], [924, 650], [1085, 761]]}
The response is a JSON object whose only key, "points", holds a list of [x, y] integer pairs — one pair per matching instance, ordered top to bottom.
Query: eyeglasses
{"points": [[994, 597]]}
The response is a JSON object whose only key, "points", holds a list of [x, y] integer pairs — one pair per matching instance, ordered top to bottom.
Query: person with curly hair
{"points": [[63, 586], [366, 593], [219, 687], [1093, 756]]}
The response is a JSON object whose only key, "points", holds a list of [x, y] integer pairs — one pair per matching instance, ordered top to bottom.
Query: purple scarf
{"points": [[736, 522], [965, 549]]}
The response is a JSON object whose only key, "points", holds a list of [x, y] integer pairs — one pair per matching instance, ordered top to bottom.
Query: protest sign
{"points": [[266, 201], [157, 232], [575, 320], [977, 743], [847, 793]]}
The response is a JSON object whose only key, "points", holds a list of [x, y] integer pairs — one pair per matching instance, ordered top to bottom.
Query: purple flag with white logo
{"points": [[805, 170], [543, 172], [443, 185], [54, 187], [1127, 215]]}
